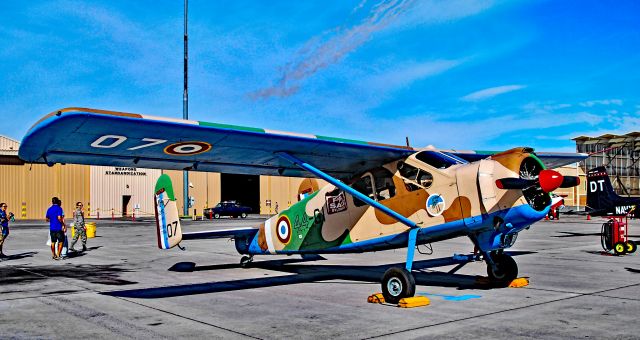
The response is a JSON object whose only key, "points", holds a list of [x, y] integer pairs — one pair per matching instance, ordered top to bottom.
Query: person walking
{"points": [[55, 217], [4, 226], [79, 226]]}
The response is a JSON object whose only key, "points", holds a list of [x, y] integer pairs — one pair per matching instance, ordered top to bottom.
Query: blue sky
{"points": [[454, 74]]}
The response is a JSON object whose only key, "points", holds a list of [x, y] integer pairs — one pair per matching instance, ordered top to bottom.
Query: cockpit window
{"points": [[437, 160], [412, 175], [383, 179], [365, 187]]}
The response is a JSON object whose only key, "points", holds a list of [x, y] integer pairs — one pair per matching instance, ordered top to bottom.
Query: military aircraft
{"points": [[379, 196], [602, 199]]}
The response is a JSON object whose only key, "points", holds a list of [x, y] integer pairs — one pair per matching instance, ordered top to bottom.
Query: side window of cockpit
{"points": [[408, 172], [425, 179], [365, 187], [385, 188]]}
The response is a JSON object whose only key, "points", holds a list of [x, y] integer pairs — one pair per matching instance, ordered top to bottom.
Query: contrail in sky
{"points": [[331, 47]]}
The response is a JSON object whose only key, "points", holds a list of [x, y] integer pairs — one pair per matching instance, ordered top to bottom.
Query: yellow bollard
{"points": [[24, 210], [91, 229]]}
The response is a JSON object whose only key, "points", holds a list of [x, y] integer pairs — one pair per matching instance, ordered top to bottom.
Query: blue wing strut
{"points": [[411, 245]]}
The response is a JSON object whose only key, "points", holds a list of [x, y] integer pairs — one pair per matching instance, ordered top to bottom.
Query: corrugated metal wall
{"points": [[110, 184], [35, 185], [99, 191]]}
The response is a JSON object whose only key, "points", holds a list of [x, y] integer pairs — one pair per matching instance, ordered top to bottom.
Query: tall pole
{"points": [[185, 108]]}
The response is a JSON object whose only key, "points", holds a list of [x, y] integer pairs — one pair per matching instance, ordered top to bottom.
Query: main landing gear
{"points": [[501, 268], [397, 283]]}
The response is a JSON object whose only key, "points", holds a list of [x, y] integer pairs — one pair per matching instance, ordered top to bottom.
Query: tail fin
{"points": [[600, 194], [167, 220]]}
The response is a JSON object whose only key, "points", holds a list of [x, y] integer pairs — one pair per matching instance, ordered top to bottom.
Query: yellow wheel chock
{"points": [[519, 282], [410, 302]]}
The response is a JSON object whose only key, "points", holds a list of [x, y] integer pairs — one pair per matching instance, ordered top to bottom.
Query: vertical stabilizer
{"points": [[600, 193], [167, 220]]}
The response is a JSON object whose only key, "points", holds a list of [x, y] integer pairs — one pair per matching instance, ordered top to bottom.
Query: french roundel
{"points": [[187, 148], [284, 229]]}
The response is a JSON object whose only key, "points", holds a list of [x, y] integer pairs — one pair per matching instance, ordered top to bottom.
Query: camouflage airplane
{"points": [[379, 196]]}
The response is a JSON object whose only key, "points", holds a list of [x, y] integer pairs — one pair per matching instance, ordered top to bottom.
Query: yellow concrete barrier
{"points": [[91, 229], [416, 301]]}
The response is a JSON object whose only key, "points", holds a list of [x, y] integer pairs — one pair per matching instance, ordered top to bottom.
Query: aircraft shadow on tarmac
{"points": [[574, 234], [20, 256], [311, 273], [100, 274]]}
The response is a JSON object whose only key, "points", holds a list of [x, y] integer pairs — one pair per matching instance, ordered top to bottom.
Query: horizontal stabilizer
{"points": [[221, 233]]}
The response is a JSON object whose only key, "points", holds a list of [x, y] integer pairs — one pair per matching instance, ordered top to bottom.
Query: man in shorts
{"points": [[55, 217], [4, 226]]}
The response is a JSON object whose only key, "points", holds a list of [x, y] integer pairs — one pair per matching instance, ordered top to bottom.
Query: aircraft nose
{"points": [[550, 180]]}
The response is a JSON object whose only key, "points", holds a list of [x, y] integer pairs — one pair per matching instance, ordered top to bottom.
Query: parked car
{"points": [[227, 208]]}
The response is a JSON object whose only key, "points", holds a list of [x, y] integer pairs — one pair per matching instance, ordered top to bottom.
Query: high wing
{"points": [[98, 137], [551, 160]]}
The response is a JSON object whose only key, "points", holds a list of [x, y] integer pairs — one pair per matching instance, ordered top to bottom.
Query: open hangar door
{"points": [[242, 188]]}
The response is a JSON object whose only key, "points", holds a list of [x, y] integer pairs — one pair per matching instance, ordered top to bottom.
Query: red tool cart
{"points": [[615, 234]]}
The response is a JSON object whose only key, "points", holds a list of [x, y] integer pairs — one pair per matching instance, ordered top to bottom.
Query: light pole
{"points": [[185, 108]]}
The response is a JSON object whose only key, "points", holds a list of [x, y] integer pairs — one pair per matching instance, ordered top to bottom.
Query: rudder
{"points": [[168, 227]]}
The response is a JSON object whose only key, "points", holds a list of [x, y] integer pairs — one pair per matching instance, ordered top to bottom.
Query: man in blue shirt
{"points": [[55, 217], [4, 226]]}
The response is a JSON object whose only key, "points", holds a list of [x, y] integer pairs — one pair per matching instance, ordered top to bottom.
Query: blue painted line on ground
{"points": [[453, 297]]}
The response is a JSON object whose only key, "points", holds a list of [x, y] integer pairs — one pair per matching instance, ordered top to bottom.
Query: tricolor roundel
{"points": [[187, 148], [283, 229]]}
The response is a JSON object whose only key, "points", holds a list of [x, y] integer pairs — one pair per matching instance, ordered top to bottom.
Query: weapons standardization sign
{"points": [[125, 172]]}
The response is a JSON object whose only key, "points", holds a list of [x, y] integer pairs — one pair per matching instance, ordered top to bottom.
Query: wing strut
{"points": [[411, 245]]}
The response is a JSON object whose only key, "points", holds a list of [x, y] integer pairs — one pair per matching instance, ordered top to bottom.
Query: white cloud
{"points": [[491, 92], [592, 103]]}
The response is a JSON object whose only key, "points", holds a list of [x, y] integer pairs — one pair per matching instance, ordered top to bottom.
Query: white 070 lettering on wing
{"points": [[112, 141]]}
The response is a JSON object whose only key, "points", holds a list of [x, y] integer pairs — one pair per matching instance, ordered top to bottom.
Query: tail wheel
{"points": [[243, 215], [631, 247], [619, 248], [245, 261], [505, 271], [397, 283]]}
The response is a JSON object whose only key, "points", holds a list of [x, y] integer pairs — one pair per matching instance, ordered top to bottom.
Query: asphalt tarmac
{"points": [[125, 287]]}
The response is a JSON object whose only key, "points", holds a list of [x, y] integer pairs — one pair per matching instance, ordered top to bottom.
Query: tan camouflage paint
{"points": [[457, 184]]}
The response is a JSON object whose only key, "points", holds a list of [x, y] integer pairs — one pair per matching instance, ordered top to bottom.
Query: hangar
{"points": [[620, 154], [122, 192]]}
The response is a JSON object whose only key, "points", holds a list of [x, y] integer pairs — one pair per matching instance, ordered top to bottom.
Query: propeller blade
{"points": [[550, 180], [570, 181], [514, 183]]}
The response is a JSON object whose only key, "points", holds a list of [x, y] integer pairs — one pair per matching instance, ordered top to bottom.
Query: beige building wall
{"points": [[36, 184], [110, 184], [205, 190], [283, 191], [577, 195]]}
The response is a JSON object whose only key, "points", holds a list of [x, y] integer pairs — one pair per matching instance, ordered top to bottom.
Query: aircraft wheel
{"points": [[216, 215], [243, 215], [631, 247], [619, 248], [245, 261], [506, 269], [397, 283]]}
